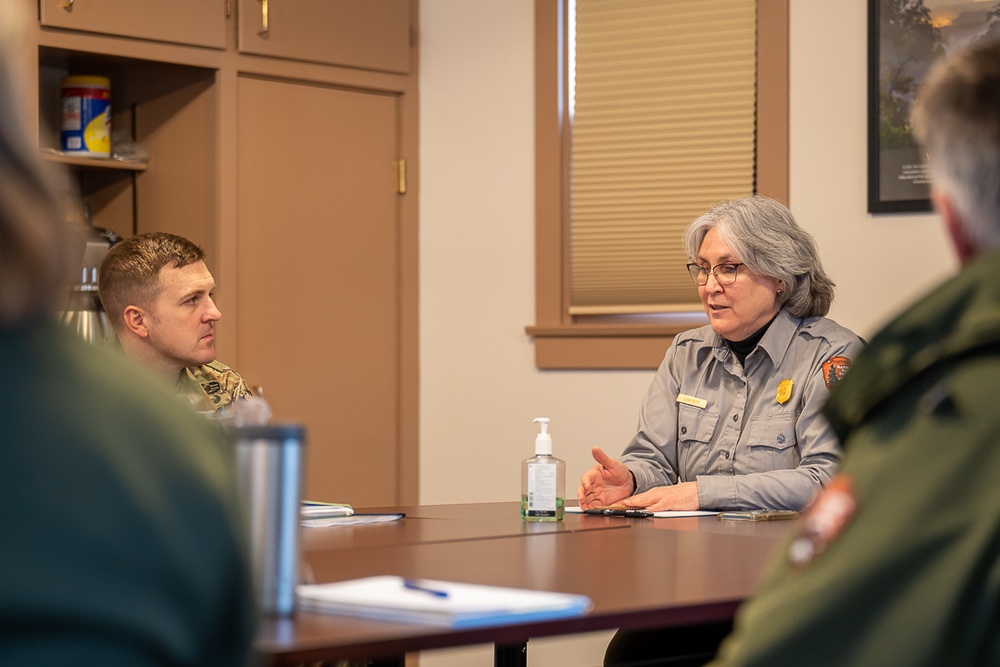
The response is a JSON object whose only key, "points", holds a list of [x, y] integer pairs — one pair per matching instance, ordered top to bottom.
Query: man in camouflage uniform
{"points": [[157, 292]]}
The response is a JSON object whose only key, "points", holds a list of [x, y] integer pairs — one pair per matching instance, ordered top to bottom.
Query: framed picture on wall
{"points": [[905, 37]]}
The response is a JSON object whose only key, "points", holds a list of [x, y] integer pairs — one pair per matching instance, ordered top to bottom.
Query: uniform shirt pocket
{"points": [[695, 430], [772, 443]]}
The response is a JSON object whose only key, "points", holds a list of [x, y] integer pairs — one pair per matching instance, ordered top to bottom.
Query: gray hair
{"points": [[956, 118], [764, 235], [36, 251]]}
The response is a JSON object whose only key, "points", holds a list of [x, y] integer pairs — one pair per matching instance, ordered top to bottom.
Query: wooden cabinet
{"points": [[198, 22], [374, 34], [282, 160]]}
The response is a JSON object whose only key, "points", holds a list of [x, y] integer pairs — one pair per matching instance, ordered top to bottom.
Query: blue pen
{"points": [[414, 585]]}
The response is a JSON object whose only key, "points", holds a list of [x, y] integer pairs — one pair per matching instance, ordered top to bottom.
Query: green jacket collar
{"points": [[956, 318]]}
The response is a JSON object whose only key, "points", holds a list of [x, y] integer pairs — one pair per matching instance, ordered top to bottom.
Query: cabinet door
{"points": [[198, 22], [373, 34], [319, 277]]}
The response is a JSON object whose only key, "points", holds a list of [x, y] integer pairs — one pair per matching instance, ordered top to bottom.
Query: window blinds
{"points": [[663, 128]]}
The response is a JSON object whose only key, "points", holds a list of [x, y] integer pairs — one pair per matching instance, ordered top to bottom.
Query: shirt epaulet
{"points": [[825, 328], [700, 335]]}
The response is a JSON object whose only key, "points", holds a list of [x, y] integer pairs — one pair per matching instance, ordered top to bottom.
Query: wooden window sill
{"points": [[602, 346]]}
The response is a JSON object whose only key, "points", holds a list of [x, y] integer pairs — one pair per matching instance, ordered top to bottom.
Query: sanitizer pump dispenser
{"points": [[543, 480]]}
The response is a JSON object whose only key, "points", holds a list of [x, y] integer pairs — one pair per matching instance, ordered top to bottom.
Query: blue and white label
{"points": [[541, 489]]}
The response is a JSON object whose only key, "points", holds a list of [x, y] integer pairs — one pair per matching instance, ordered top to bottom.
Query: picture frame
{"points": [[905, 37]]}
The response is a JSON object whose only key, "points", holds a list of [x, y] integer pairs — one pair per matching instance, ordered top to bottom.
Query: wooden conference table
{"points": [[639, 573]]}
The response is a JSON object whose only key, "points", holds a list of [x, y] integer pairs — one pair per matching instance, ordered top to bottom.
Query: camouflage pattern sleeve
{"points": [[219, 383]]}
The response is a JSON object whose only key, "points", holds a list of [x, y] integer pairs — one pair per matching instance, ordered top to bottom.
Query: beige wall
{"points": [[879, 263], [479, 388]]}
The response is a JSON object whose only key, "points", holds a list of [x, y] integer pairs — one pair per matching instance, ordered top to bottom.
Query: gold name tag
{"points": [[699, 403]]}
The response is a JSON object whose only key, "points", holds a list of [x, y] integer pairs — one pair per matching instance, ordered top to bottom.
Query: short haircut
{"points": [[956, 118], [764, 235], [130, 272]]}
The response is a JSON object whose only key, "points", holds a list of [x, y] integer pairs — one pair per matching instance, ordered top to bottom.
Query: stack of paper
{"points": [[315, 510], [349, 520], [439, 602]]}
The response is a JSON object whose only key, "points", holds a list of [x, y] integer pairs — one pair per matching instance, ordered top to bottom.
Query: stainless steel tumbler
{"points": [[269, 466]]}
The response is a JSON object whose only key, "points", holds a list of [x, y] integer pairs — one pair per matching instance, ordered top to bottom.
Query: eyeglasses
{"points": [[725, 274]]}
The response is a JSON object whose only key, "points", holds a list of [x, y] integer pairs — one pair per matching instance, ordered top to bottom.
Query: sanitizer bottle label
{"points": [[541, 490]]}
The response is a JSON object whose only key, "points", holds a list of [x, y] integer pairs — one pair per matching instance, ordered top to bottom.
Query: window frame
{"points": [[563, 341]]}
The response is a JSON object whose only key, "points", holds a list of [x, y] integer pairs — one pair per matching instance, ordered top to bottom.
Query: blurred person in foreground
{"points": [[158, 294], [732, 418], [121, 536], [898, 561]]}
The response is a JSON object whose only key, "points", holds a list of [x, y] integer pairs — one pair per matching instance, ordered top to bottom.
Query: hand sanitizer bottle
{"points": [[543, 480]]}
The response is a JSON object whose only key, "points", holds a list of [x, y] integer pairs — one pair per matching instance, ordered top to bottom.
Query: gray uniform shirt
{"points": [[751, 435]]}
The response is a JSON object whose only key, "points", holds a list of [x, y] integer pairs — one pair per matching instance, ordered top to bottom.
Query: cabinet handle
{"points": [[69, 5], [263, 18]]}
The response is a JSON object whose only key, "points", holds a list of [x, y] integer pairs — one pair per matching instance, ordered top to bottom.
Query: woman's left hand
{"points": [[683, 496]]}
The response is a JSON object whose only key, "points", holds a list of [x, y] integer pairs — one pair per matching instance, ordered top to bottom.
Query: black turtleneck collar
{"points": [[744, 347]]}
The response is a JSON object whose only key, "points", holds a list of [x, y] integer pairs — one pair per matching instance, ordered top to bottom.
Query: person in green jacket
{"points": [[122, 543], [897, 561]]}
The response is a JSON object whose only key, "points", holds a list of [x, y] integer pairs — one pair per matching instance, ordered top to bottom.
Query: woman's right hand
{"points": [[606, 483]]}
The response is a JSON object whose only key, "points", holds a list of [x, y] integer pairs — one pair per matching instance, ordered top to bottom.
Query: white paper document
{"points": [[434, 602]]}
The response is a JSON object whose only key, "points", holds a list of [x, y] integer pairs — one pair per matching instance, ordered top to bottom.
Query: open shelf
{"points": [[170, 110], [92, 162]]}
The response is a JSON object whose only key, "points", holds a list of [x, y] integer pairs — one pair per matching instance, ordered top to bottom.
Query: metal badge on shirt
{"points": [[784, 391]]}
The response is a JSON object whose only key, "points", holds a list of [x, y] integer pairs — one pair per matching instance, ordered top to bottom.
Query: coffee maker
{"points": [[84, 313]]}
